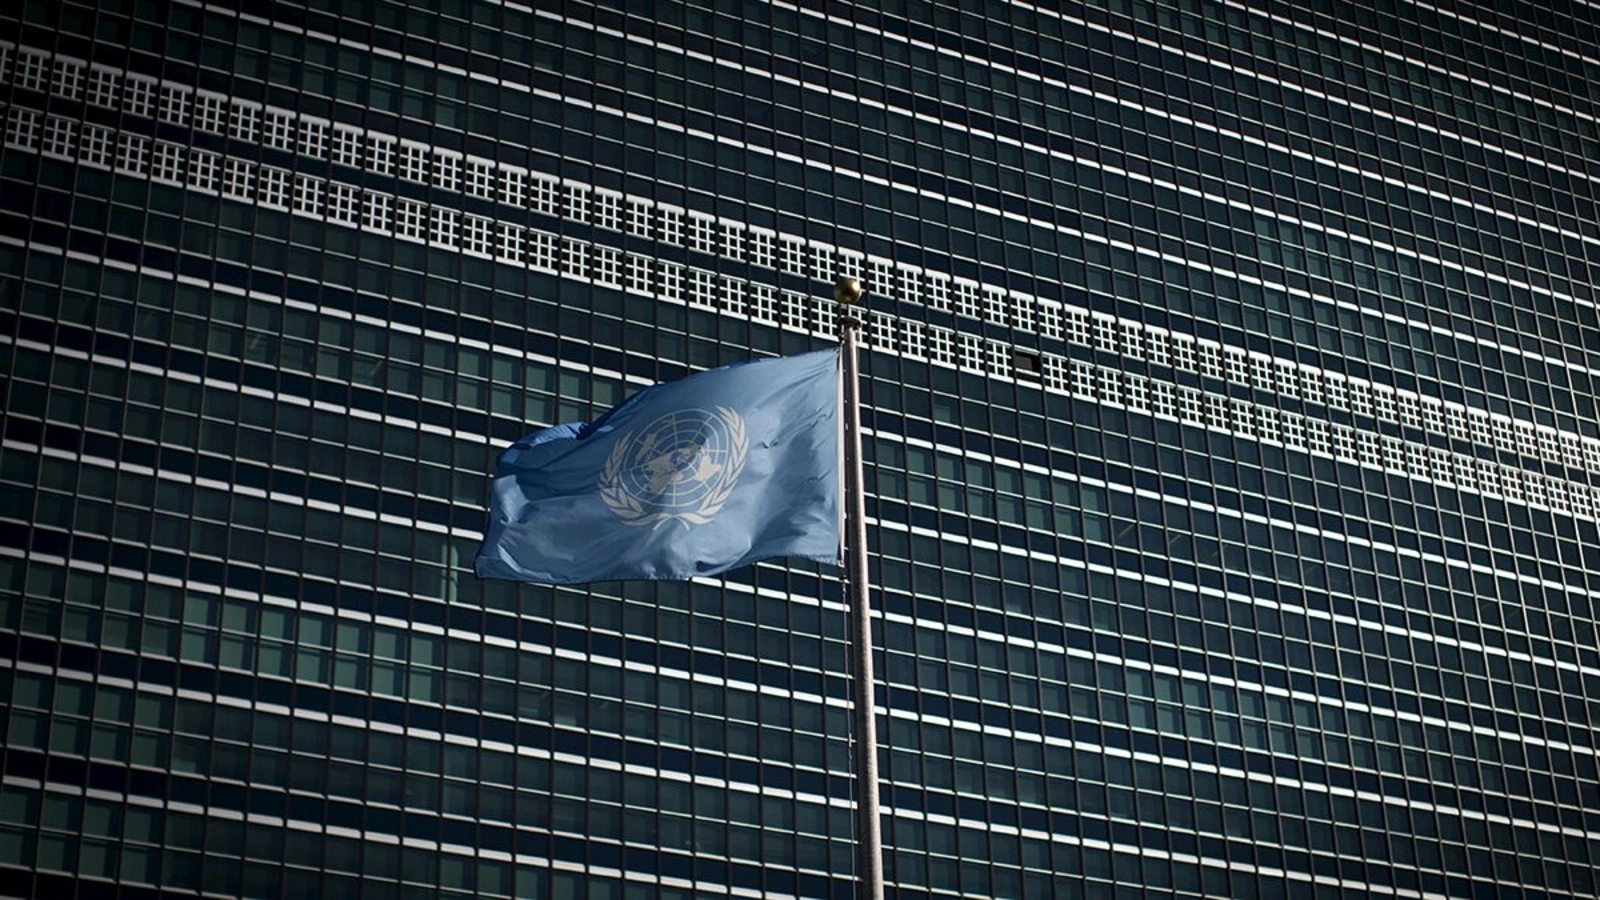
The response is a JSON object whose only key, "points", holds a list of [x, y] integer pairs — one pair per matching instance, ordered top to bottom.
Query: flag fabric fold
{"points": [[690, 477]]}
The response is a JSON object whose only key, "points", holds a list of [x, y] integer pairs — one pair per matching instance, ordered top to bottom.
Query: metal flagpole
{"points": [[869, 833]]}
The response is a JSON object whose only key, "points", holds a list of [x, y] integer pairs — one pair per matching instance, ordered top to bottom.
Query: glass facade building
{"points": [[1233, 456]]}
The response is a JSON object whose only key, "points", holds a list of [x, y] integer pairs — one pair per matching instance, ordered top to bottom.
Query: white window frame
{"points": [[33, 69], [68, 77], [103, 87], [139, 96], [175, 101], [210, 112], [244, 121], [278, 129], [60, 137], [314, 137], [99, 146], [345, 147], [133, 153], [380, 154], [413, 160], [166, 162], [205, 170], [447, 170], [238, 178], [480, 180], [513, 185], [275, 187], [542, 195], [308, 196], [344, 203], [607, 210], [377, 212], [639, 217], [410, 219], [444, 227], [477, 235], [511, 242], [541, 250], [640, 274]]}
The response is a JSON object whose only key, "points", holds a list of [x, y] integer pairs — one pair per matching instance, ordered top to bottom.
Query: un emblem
{"points": [[681, 467]]}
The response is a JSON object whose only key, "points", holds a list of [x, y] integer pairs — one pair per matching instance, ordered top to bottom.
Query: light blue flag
{"points": [[691, 477]]}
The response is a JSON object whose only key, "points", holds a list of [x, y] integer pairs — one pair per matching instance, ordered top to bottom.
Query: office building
{"points": [[1234, 458]]}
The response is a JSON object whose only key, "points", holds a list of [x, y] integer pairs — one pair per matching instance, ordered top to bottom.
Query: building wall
{"points": [[1233, 452]]}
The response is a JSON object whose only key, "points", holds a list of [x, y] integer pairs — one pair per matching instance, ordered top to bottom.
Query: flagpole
{"points": [[869, 831]]}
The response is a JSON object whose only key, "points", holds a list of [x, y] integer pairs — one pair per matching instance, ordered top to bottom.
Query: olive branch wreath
{"points": [[630, 510]]}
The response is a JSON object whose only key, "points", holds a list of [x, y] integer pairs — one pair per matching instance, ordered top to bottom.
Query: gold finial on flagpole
{"points": [[847, 291]]}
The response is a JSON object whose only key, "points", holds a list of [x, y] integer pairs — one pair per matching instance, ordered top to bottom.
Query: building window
{"points": [[32, 69], [69, 78], [103, 87], [139, 96], [174, 104], [210, 113], [244, 122], [279, 129], [60, 136], [313, 138], [99, 146], [346, 146], [133, 154], [380, 154], [168, 162], [414, 162], [447, 170], [238, 178], [480, 178], [513, 186], [275, 187], [308, 193], [542, 195], [577, 202], [344, 203], [608, 210], [377, 212], [638, 217], [411, 219], [446, 223], [672, 226], [702, 231], [477, 234], [511, 241], [732, 241], [762, 245], [542, 250], [792, 255], [574, 258], [824, 265], [608, 266], [638, 274], [671, 282], [702, 289], [938, 292], [966, 297], [764, 303], [996, 304], [794, 310], [1050, 320], [911, 339], [941, 346], [1184, 357], [1238, 364], [1162, 400]]}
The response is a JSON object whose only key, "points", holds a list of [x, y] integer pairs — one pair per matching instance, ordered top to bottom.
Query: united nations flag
{"points": [[691, 477]]}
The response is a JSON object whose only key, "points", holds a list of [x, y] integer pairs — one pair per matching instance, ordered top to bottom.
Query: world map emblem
{"points": [[681, 467]]}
